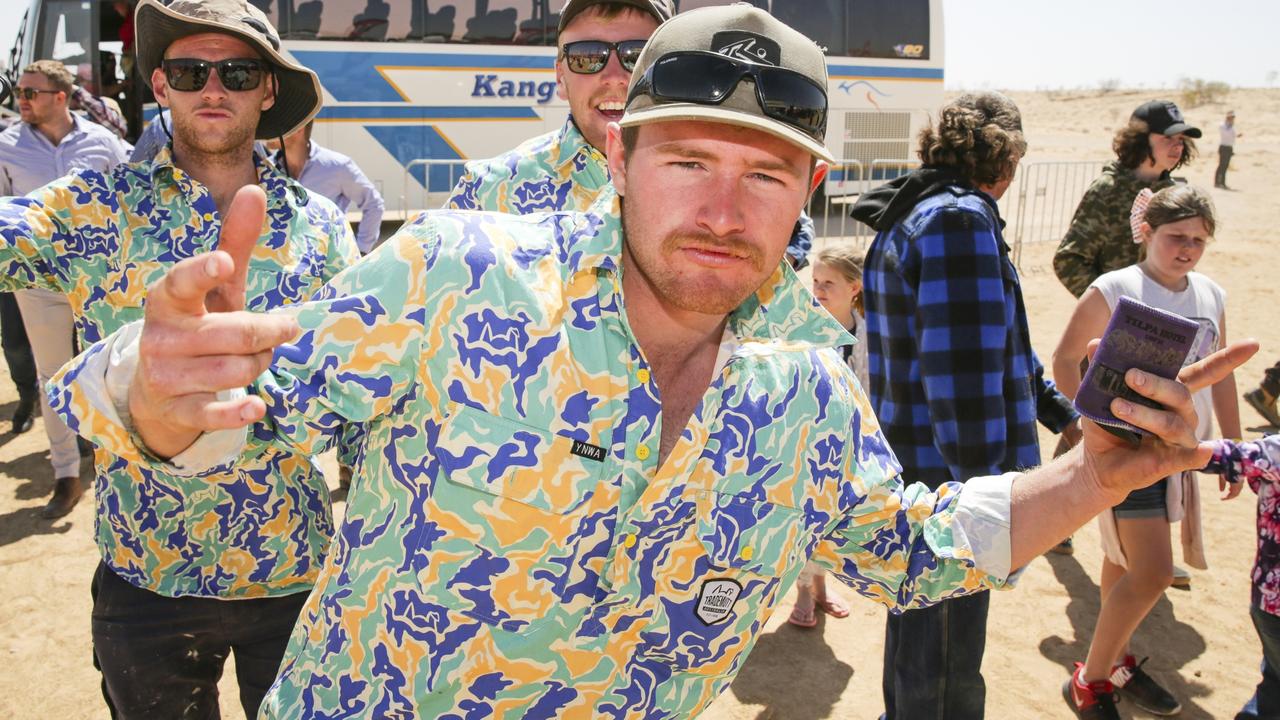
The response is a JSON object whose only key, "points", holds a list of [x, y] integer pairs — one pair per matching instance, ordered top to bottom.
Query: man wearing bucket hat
{"points": [[599, 43], [601, 445], [193, 568]]}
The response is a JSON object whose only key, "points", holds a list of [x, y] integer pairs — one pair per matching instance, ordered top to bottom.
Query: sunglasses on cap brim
{"points": [[588, 57], [236, 75], [708, 78]]}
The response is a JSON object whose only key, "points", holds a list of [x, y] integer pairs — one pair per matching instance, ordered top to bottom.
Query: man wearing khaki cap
{"points": [[601, 445], [193, 568]]}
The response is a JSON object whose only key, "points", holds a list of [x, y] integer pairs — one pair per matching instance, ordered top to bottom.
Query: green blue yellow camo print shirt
{"points": [[548, 173], [255, 530], [512, 549]]}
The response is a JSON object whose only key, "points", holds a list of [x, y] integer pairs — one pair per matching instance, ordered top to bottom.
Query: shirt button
{"points": [[642, 375], [642, 452], [629, 540], [747, 553]]}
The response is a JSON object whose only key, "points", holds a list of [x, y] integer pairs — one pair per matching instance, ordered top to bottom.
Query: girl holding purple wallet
{"points": [[1174, 225]]}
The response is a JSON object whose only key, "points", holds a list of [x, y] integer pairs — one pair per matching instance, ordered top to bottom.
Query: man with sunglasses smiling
{"points": [[599, 41], [50, 142], [601, 445], [193, 568]]}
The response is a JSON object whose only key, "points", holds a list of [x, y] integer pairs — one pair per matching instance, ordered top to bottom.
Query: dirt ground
{"points": [[1201, 643]]}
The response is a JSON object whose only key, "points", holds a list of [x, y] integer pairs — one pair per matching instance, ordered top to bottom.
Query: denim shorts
{"points": [[1145, 502]]}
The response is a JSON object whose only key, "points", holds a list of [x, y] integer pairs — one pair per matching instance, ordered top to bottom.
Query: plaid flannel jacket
{"points": [[954, 380]]}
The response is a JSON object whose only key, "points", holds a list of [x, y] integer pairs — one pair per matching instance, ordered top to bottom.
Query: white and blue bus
{"points": [[413, 87]]}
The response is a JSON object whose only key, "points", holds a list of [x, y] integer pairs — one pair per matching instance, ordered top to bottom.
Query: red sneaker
{"points": [[1090, 700]]}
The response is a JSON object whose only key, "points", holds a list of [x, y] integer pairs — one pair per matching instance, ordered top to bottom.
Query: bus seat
{"points": [[498, 26]]}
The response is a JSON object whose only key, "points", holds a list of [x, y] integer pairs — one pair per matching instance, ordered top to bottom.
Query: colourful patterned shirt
{"points": [[560, 171], [1257, 462], [262, 527], [512, 547]]}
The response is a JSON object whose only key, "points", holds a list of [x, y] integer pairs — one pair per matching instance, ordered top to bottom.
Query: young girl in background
{"points": [[1175, 224], [837, 283]]}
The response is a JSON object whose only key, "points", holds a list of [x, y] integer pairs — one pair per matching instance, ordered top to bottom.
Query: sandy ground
{"points": [[1201, 642]]}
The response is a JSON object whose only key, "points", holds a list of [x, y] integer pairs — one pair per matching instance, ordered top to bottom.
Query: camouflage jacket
{"points": [[1099, 239]]}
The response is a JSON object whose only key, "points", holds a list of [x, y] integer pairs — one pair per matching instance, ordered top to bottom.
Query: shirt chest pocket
{"points": [[506, 513], [720, 583]]}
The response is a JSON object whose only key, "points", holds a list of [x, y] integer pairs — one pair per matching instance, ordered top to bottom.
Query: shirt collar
{"points": [[77, 129], [572, 144], [274, 183], [782, 310]]}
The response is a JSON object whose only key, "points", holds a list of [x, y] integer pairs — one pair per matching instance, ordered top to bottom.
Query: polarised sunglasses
{"points": [[588, 57], [190, 75], [709, 78], [30, 94]]}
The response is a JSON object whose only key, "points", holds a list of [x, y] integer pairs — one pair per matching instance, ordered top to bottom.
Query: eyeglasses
{"points": [[588, 57], [190, 75], [709, 78], [30, 94]]}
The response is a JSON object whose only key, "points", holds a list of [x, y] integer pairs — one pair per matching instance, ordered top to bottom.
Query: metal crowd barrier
{"points": [[442, 174], [1042, 200]]}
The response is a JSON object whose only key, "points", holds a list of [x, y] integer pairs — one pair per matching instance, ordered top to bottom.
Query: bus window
{"points": [[271, 8], [499, 22], [66, 29], [898, 29]]}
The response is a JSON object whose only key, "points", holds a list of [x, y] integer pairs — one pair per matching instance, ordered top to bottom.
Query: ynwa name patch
{"points": [[742, 45], [587, 450], [716, 599]]}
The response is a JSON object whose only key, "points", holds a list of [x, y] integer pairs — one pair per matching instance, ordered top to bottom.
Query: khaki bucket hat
{"points": [[159, 23], [756, 42]]}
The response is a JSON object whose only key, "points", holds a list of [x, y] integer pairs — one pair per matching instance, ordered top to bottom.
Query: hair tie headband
{"points": [[1138, 213]]}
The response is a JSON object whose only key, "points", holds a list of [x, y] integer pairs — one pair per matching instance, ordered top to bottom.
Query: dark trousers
{"points": [[1224, 159], [17, 350], [1271, 380], [161, 657], [933, 661], [1265, 703]]}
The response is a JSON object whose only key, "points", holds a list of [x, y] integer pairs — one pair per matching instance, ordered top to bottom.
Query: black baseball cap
{"points": [[1163, 117]]}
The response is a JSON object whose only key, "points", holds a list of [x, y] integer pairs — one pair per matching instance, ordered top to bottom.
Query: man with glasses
{"points": [[599, 42], [50, 142], [602, 445], [193, 568]]}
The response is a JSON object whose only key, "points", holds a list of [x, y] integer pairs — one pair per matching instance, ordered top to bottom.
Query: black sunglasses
{"points": [[588, 57], [190, 75], [709, 78], [32, 93]]}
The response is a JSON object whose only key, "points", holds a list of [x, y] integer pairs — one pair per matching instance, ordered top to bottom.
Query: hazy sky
{"points": [[1025, 44]]}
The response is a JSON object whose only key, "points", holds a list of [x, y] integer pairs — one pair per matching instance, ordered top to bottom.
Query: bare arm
{"points": [[1088, 321], [1225, 404], [1051, 502]]}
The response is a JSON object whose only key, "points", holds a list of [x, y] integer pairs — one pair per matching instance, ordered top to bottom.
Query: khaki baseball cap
{"points": [[659, 9], [160, 22], [744, 33]]}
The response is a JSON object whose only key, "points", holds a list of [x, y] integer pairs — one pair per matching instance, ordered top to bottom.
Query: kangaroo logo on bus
{"points": [[747, 46], [489, 85]]}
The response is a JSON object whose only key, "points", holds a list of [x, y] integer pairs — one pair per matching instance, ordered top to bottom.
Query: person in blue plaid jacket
{"points": [[954, 380]]}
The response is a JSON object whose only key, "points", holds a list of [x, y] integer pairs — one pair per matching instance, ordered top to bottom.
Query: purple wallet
{"points": [[1138, 336]]}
